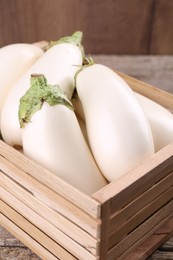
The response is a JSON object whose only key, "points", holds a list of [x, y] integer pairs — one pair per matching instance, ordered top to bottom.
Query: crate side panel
{"points": [[50, 198], [79, 199], [140, 202], [140, 217], [59, 222], [48, 229], [143, 231], [30, 235], [146, 238], [148, 246]]}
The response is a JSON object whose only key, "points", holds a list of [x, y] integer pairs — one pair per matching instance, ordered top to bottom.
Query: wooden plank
{"points": [[162, 26], [103, 33], [110, 33], [50, 180], [50, 198], [139, 203], [137, 219], [63, 224], [50, 230], [142, 232], [31, 235], [145, 237], [155, 241], [104, 242]]}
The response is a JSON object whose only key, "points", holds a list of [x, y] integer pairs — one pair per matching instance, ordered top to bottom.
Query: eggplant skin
{"points": [[160, 120], [119, 133]]}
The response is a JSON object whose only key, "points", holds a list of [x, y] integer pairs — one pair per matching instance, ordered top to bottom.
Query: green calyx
{"points": [[75, 38], [88, 61], [40, 91]]}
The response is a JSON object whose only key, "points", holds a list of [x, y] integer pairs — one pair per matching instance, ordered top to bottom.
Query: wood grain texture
{"points": [[112, 26], [161, 29], [158, 238]]}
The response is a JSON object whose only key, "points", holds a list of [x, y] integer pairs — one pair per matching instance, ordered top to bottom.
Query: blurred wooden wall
{"points": [[109, 26]]}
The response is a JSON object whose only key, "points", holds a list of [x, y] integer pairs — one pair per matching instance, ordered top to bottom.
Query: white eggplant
{"points": [[15, 60], [59, 64], [160, 120], [119, 134], [52, 137]]}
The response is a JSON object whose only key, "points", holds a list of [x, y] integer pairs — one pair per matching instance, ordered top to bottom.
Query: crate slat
{"points": [[29, 167], [51, 198], [125, 213], [61, 223], [45, 226], [128, 226], [142, 232], [30, 235], [145, 238], [104, 242], [152, 243]]}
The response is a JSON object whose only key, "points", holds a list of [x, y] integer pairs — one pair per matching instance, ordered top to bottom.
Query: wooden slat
{"points": [[162, 26], [103, 33], [30, 168], [50, 198], [135, 206], [137, 219], [63, 224], [50, 230], [142, 232], [29, 234], [145, 237], [104, 242], [146, 248]]}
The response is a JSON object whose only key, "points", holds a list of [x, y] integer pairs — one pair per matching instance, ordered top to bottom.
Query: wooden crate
{"points": [[59, 222]]}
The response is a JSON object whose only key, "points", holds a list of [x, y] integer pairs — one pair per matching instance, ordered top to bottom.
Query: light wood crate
{"points": [[59, 222]]}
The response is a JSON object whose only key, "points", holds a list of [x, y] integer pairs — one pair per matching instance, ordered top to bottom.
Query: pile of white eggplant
{"points": [[76, 118]]}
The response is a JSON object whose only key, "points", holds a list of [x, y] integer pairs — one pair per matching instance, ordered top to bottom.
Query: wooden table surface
{"points": [[156, 70]]}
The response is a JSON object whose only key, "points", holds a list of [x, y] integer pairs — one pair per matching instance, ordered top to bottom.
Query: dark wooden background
{"points": [[109, 26]]}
